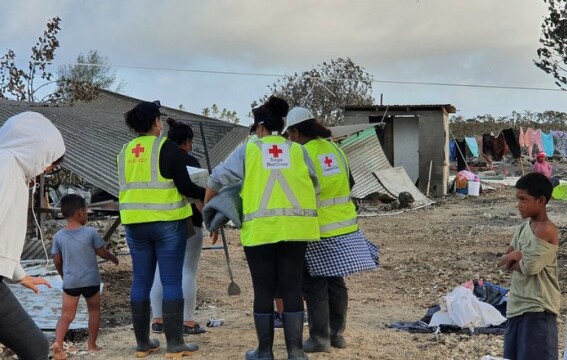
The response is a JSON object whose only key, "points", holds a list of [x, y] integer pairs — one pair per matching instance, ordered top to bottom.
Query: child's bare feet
{"points": [[94, 349], [58, 352]]}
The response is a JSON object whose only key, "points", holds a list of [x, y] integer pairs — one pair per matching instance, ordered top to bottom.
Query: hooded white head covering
{"points": [[33, 140], [29, 143]]}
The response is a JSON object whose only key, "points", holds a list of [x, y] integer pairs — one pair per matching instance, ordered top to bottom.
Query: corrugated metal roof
{"points": [[447, 107], [346, 130], [95, 132], [365, 156]]}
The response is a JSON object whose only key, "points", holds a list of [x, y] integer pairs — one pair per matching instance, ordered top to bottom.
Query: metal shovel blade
{"points": [[233, 289]]}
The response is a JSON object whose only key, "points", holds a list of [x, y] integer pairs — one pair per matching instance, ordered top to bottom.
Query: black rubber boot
{"points": [[338, 305], [318, 318], [141, 324], [173, 329], [265, 332], [293, 333]]}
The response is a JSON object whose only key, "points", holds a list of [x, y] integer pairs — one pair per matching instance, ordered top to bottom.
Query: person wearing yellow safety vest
{"points": [[153, 191], [279, 219], [343, 249]]}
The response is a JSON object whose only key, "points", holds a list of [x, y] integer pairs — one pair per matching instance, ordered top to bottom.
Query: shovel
{"points": [[233, 288]]}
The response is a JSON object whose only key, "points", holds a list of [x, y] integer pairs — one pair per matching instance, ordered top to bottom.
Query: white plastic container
{"points": [[199, 176], [473, 188]]}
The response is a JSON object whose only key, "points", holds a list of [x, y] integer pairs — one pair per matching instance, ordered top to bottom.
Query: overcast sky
{"points": [[484, 42]]}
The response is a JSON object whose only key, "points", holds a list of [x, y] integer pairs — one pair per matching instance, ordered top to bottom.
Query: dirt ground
{"points": [[425, 254]]}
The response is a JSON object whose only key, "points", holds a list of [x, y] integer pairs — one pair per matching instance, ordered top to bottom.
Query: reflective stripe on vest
{"points": [[156, 199], [335, 201], [142, 206], [337, 215], [264, 218], [337, 225]]}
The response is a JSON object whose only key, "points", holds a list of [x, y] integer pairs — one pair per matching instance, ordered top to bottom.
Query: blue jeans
{"points": [[160, 242], [189, 279]]}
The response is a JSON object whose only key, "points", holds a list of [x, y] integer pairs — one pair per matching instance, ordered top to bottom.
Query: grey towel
{"points": [[225, 206]]}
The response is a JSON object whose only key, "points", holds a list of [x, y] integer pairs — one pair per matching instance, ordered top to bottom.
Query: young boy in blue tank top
{"points": [[74, 251], [533, 304]]}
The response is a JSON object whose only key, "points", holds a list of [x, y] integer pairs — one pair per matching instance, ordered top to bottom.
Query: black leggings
{"points": [[281, 265], [17, 329]]}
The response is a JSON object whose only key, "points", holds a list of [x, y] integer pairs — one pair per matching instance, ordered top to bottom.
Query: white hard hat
{"points": [[298, 115]]}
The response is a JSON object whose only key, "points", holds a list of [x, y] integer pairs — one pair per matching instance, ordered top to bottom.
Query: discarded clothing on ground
{"points": [[224, 207], [462, 308], [462, 311]]}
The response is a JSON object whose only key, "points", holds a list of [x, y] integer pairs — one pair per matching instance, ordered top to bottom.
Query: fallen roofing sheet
{"points": [[365, 156], [372, 172], [395, 180], [45, 307]]}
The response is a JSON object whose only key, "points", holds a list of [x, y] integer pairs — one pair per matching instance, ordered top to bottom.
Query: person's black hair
{"points": [[271, 114], [142, 117], [312, 129], [179, 132], [58, 161], [536, 184], [71, 203]]}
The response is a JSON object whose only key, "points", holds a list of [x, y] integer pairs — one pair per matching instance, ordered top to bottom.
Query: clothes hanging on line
{"points": [[534, 137], [560, 138], [523, 139], [547, 141], [512, 142], [487, 144], [473, 146], [499, 147], [452, 150], [461, 155], [487, 158]]}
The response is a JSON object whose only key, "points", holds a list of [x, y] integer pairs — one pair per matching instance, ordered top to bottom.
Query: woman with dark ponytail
{"points": [[182, 135], [154, 187], [279, 219], [343, 249]]}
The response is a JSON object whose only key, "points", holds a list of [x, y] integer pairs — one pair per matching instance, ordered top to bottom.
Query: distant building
{"points": [[415, 137]]}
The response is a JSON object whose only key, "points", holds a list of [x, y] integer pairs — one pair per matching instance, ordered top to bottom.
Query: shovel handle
{"points": [[226, 255]]}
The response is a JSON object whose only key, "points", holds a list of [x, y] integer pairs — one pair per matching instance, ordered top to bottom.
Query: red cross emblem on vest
{"points": [[137, 150], [275, 151], [328, 161]]}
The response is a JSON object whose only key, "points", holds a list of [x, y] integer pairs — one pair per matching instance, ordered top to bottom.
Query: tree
{"points": [[553, 52], [83, 80], [21, 84], [326, 89], [224, 114]]}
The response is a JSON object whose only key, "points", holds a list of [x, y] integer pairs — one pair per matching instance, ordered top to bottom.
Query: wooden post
{"points": [[429, 179], [109, 230]]}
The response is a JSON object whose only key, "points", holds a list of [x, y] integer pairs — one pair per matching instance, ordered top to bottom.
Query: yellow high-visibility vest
{"points": [[145, 195], [278, 197], [336, 211]]}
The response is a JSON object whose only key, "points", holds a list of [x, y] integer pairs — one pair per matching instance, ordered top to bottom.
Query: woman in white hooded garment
{"points": [[29, 146]]}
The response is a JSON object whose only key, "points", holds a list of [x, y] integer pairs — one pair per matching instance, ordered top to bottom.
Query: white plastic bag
{"points": [[466, 311]]}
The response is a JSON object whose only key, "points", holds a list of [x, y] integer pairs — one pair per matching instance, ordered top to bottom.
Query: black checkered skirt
{"points": [[342, 255]]}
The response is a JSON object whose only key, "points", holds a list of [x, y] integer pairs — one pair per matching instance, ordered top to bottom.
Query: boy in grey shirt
{"points": [[74, 254]]}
